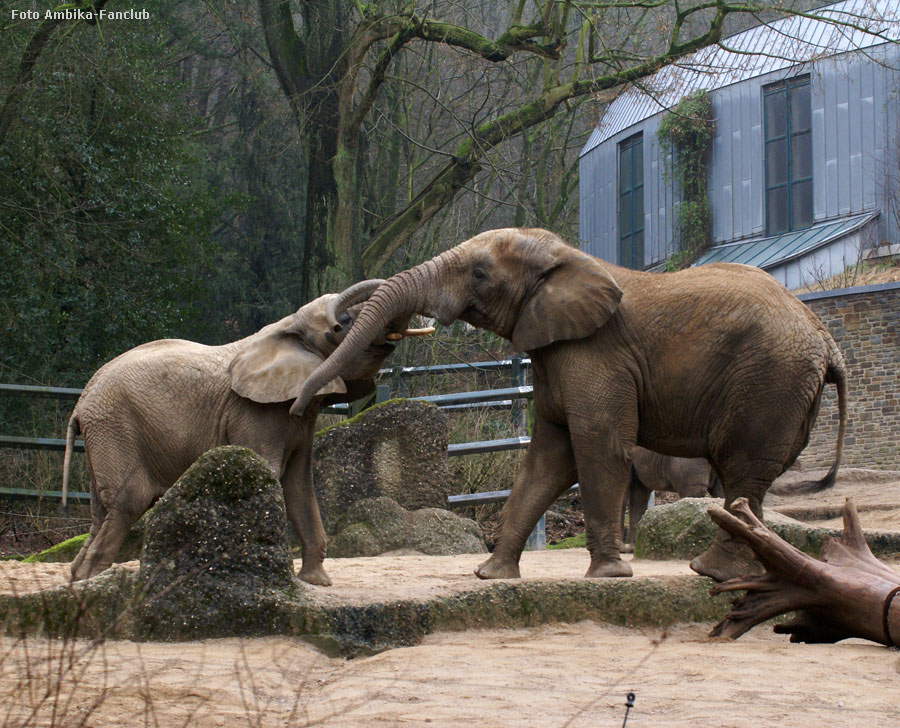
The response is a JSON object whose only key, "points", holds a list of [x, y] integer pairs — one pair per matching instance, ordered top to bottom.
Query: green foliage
{"points": [[688, 131], [104, 224], [572, 542]]}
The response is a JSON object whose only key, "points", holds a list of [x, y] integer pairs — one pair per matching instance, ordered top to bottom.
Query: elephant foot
{"points": [[626, 548], [726, 559], [495, 568], [608, 568], [314, 575]]}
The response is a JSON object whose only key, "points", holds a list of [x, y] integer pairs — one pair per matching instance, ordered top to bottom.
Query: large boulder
{"points": [[397, 450], [378, 525], [683, 530], [215, 560]]}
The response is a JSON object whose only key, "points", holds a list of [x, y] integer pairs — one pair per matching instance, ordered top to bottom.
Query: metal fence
{"points": [[513, 398]]}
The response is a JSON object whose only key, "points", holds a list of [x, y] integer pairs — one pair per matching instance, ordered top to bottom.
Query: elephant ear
{"points": [[575, 297], [274, 366]]}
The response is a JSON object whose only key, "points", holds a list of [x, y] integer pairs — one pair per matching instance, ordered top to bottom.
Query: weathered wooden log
{"points": [[847, 592]]}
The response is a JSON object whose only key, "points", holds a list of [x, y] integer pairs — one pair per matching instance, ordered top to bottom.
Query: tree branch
{"points": [[35, 47], [285, 48], [395, 231]]}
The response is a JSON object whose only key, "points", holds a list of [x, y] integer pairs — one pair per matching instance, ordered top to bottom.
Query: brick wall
{"points": [[865, 323]]}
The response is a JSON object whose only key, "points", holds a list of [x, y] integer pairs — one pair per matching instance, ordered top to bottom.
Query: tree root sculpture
{"points": [[847, 592]]}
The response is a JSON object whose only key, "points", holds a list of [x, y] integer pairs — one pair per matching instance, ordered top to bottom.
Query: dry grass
{"points": [[859, 274]]}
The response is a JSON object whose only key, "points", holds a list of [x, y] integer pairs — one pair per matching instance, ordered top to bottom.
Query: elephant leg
{"points": [[548, 469], [603, 475], [638, 498], [303, 513], [98, 514], [109, 526], [100, 549], [726, 558]]}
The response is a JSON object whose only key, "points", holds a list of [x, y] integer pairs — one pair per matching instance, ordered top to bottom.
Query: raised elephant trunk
{"points": [[409, 292], [356, 293]]}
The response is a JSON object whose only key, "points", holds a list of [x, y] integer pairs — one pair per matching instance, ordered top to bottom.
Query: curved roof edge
{"points": [[763, 49]]}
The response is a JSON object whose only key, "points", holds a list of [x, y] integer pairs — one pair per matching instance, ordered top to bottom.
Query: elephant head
{"points": [[526, 285], [275, 362]]}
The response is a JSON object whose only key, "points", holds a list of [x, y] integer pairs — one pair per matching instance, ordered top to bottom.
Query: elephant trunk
{"points": [[409, 292], [356, 293]]}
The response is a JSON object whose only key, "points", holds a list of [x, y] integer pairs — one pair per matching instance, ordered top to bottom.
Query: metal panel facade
{"points": [[855, 141]]}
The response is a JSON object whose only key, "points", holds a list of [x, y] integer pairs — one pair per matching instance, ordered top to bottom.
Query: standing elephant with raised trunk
{"points": [[719, 362], [149, 413]]}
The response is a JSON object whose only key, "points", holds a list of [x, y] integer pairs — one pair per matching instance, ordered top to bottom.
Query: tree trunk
{"points": [[846, 593]]}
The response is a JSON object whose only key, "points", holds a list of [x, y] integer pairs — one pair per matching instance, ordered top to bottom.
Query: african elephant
{"points": [[719, 362], [149, 413], [650, 471]]}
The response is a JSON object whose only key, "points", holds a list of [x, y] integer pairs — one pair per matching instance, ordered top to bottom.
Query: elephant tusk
{"points": [[410, 332]]}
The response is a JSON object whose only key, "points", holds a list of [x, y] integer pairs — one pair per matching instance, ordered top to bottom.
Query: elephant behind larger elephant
{"points": [[720, 362]]}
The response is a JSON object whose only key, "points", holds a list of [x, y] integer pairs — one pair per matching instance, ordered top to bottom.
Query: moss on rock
{"points": [[683, 530], [67, 550], [60, 552], [215, 560]]}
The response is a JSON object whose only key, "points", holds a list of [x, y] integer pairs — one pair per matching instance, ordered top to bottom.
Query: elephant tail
{"points": [[834, 374], [837, 375], [71, 431]]}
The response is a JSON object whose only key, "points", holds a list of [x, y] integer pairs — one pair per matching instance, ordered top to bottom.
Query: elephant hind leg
{"points": [[98, 514], [109, 526], [100, 551], [726, 558]]}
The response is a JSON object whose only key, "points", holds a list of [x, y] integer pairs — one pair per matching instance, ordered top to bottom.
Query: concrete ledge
{"points": [[430, 594]]}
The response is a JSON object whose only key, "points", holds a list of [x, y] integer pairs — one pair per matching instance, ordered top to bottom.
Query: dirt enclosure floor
{"points": [[555, 675]]}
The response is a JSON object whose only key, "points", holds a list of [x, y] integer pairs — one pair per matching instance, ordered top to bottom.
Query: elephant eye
{"points": [[478, 274], [345, 319]]}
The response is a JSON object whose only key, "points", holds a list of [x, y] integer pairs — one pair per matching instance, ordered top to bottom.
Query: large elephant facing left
{"points": [[149, 413]]}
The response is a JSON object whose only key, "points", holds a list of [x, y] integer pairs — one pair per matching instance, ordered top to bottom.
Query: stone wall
{"points": [[865, 322]]}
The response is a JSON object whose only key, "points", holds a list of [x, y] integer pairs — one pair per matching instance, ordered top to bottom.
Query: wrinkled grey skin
{"points": [[719, 362], [148, 414], [650, 471]]}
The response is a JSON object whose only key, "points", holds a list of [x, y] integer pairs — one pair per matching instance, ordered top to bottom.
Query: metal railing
{"points": [[397, 376], [509, 397]]}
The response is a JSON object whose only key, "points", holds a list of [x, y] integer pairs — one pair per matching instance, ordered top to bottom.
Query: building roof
{"points": [[763, 49], [772, 251]]}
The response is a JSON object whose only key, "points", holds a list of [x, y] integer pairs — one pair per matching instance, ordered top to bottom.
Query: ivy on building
{"points": [[687, 131]]}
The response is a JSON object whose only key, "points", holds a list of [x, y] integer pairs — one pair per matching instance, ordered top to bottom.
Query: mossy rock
{"points": [[397, 450], [378, 525], [683, 530], [67, 550], [58, 553], [215, 560]]}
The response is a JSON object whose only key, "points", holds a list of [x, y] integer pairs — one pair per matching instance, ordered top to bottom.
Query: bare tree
{"points": [[335, 60]]}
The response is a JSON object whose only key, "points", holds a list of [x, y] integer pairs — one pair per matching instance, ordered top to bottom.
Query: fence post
{"points": [[398, 381], [518, 405], [538, 538]]}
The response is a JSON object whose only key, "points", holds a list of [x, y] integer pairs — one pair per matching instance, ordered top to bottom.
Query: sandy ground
{"points": [[557, 675]]}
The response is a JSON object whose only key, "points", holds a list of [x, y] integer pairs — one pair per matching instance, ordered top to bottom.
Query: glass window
{"points": [[788, 139], [631, 202]]}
